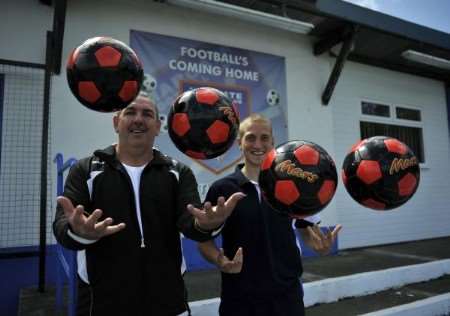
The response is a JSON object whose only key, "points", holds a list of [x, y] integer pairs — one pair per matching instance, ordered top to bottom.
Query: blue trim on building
{"points": [[2, 79], [195, 261], [21, 272], [17, 273]]}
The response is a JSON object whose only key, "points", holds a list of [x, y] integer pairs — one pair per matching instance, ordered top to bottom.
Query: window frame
{"points": [[393, 120]]}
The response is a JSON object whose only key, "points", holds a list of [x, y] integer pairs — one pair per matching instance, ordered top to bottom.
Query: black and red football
{"points": [[104, 74], [203, 123], [381, 173], [298, 178]]}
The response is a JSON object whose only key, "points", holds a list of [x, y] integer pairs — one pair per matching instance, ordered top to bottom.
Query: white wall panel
{"points": [[23, 30], [426, 215]]}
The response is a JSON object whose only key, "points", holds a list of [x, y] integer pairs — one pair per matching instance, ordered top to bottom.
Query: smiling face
{"points": [[138, 124], [255, 141]]}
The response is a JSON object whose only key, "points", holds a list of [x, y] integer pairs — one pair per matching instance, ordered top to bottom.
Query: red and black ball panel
{"points": [[104, 74], [203, 123], [381, 173], [298, 178]]}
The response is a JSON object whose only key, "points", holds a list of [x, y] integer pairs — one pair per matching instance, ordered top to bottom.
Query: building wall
{"points": [[83, 22], [23, 28], [76, 131], [426, 215]]}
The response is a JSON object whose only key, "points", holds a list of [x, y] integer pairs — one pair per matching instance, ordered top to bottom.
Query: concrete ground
{"points": [[206, 284], [382, 300]]}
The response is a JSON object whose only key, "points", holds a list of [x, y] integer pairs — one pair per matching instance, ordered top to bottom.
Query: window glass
{"points": [[376, 109], [407, 114], [411, 136]]}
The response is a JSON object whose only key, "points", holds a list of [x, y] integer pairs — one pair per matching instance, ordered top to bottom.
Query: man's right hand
{"points": [[87, 227], [230, 266]]}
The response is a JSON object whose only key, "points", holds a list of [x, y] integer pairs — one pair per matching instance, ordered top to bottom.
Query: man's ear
{"points": [[116, 123], [158, 127]]}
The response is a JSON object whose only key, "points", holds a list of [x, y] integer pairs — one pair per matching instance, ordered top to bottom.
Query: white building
{"points": [[375, 72]]}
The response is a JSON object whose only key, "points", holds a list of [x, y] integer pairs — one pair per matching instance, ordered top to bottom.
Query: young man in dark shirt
{"points": [[263, 278]]}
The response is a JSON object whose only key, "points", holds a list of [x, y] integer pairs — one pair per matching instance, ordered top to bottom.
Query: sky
{"points": [[434, 14]]}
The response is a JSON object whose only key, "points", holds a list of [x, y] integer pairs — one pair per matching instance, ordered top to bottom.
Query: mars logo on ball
{"points": [[229, 112], [402, 164], [288, 167]]}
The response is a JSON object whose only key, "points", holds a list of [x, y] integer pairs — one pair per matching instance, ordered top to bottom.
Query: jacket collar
{"points": [[109, 155], [239, 176]]}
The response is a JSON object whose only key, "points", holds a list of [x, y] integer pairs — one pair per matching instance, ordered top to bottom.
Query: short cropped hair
{"points": [[144, 97], [254, 117]]}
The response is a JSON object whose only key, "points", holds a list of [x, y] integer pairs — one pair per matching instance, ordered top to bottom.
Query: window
{"points": [[376, 109], [408, 114], [406, 126], [411, 136]]}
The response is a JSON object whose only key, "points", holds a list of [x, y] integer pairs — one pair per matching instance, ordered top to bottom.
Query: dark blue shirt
{"points": [[272, 263]]}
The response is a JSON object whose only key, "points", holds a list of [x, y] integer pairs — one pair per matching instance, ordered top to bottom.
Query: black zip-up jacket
{"points": [[272, 262], [124, 278]]}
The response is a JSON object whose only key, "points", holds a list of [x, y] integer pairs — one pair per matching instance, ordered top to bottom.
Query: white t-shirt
{"points": [[135, 176]]}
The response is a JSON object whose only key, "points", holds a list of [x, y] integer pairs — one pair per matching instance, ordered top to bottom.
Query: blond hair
{"points": [[253, 117]]}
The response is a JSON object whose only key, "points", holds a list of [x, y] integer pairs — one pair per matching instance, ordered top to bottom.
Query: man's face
{"points": [[137, 124], [256, 142]]}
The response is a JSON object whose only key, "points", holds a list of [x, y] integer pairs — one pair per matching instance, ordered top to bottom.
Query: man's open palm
{"points": [[87, 225]]}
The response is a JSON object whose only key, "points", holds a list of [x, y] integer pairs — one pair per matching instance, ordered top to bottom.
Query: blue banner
{"points": [[255, 81]]}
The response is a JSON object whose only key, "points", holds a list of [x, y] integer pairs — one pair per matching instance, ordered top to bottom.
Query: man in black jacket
{"points": [[123, 209]]}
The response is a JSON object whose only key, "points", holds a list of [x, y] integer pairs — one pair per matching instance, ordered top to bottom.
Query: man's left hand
{"points": [[212, 217], [320, 242]]}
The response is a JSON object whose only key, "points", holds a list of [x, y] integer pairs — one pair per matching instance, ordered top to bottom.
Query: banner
{"points": [[256, 81]]}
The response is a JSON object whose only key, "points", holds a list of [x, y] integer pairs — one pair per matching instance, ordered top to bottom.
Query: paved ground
{"points": [[206, 284]]}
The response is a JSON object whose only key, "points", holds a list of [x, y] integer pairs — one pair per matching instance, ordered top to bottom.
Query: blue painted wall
{"points": [[2, 77], [195, 261], [17, 273]]}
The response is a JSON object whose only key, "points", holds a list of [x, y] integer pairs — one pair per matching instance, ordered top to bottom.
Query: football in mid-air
{"points": [[104, 74], [203, 123], [381, 173], [298, 178]]}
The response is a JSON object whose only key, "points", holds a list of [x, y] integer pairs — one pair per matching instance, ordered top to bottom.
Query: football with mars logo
{"points": [[381, 173], [298, 178]]}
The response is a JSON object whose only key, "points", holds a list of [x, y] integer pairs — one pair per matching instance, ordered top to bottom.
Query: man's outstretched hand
{"points": [[210, 218], [87, 225], [321, 242], [230, 266]]}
